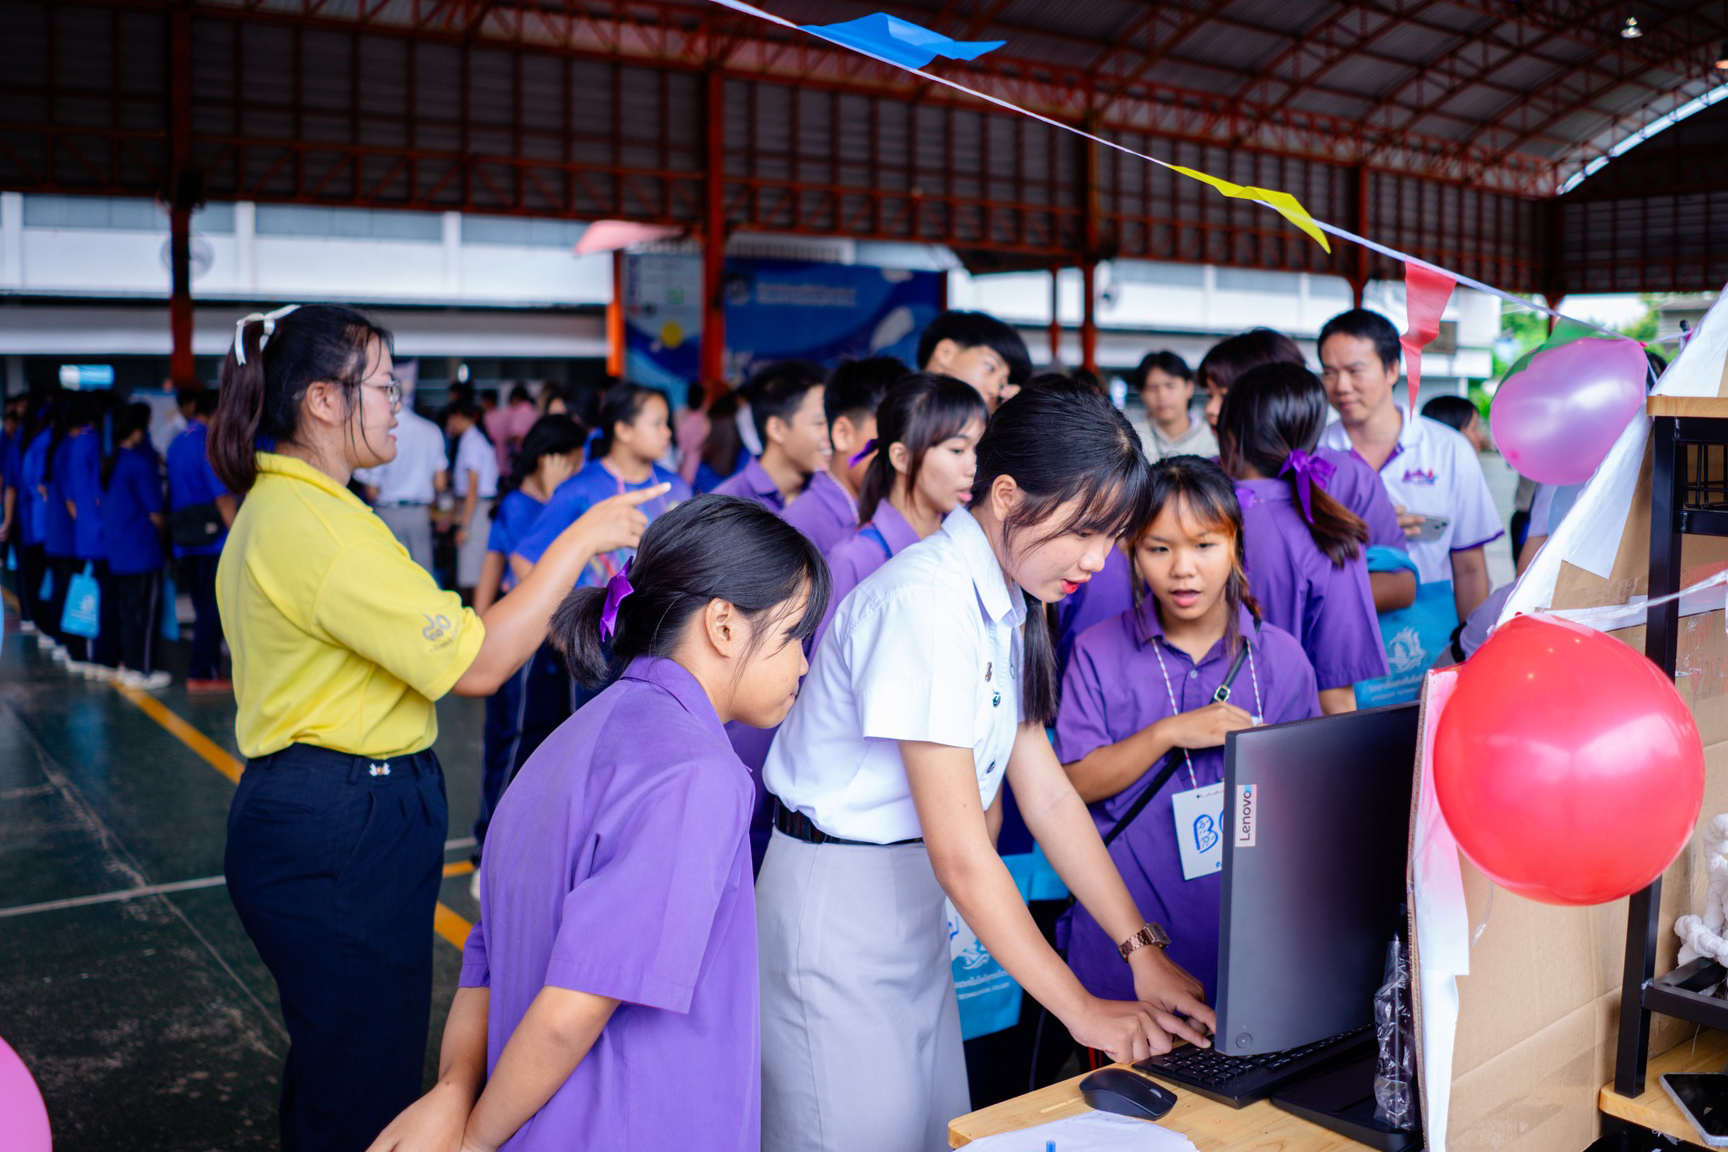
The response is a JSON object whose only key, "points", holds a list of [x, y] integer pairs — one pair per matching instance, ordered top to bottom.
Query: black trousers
{"points": [[31, 565], [198, 575], [54, 604], [138, 605], [333, 863]]}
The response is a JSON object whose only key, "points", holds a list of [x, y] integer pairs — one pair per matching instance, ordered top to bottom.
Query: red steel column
{"points": [[182, 192], [714, 241]]}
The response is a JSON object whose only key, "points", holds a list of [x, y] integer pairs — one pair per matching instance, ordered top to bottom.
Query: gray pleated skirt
{"points": [[861, 1046]]}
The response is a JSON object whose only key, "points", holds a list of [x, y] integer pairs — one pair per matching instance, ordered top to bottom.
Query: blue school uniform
{"points": [[34, 463], [12, 468], [81, 480], [191, 480], [594, 483], [516, 515], [59, 536], [132, 541], [531, 703]]}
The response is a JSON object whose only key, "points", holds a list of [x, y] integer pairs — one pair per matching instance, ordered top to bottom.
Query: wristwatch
{"points": [[1149, 934]]}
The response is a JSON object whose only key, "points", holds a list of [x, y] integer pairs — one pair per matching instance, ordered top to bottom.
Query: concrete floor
{"points": [[126, 983]]}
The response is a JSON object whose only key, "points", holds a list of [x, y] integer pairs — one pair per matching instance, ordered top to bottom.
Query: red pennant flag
{"points": [[1425, 294]]}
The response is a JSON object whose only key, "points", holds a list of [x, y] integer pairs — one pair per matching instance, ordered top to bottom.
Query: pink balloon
{"points": [[1556, 420], [23, 1117]]}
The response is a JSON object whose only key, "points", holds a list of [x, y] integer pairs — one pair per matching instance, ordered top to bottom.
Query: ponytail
{"points": [[265, 377], [1272, 412], [709, 548], [575, 630]]}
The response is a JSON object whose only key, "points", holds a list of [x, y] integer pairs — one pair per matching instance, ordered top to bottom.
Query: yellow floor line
{"points": [[212, 753], [445, 922]]}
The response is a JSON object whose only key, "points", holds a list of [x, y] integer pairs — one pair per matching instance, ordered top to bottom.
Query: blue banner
{"points": [[789, 309]]}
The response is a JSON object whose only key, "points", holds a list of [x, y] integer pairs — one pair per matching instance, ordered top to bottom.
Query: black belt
{"points": [[799, 826]]}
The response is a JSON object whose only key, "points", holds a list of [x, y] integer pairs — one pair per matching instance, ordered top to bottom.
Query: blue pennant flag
{"points": [[900, 41]]}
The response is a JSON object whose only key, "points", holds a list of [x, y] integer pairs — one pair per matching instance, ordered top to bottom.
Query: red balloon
{"points": [[1566, 764]]}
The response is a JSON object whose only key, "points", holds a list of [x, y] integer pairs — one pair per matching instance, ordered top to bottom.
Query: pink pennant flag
{"points": [[611, 235], [1425, 294]]}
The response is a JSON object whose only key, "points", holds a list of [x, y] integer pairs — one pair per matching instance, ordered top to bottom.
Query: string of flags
{"points": [[905, 45]]}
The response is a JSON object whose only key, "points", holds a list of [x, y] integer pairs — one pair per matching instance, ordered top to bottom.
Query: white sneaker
{"points": [[27, 628], [59, 655], [76, 667], [100, 672], [127, 678], [155, 680]]}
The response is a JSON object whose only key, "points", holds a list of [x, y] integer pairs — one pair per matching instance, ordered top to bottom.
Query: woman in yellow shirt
{"points": [[341, 645]]}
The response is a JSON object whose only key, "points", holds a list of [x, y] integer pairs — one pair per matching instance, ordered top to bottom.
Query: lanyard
{"points": [[1170, 691]]}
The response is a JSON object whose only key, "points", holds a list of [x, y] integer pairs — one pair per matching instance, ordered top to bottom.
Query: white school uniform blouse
{"points": [[474, 453], [1435, 472], [927, 648]]}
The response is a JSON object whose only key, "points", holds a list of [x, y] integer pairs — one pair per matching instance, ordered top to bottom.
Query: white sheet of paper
{"points": [[1200, 830], [1442, 928], [1088, 1132]]}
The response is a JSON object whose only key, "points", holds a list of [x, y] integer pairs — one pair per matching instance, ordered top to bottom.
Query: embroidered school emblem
{"points": [[1419, 476]]}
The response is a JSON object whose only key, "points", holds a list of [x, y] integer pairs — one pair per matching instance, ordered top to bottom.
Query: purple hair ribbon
{"points": [[869, 447], [1310, 471], [616, 589]]}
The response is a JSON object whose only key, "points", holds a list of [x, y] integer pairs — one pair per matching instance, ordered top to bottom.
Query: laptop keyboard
{"points": [[1240, 1080]]}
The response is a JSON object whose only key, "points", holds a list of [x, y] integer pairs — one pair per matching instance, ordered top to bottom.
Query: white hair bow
{"points": [[268, 319]]}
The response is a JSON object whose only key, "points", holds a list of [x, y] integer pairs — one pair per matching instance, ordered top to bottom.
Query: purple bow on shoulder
{"points": [[1310, 471], [616, 589]]}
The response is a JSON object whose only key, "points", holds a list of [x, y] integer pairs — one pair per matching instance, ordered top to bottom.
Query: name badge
{"points": [[1200, 830]]}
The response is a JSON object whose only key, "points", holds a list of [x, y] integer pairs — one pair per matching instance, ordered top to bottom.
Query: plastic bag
{"points": [[1395, 1100]]}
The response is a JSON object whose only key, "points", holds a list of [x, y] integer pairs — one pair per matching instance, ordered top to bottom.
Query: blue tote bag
{"points": [[83, 614]]}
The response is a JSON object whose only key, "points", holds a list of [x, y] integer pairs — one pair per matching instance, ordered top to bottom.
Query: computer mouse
{"points": [[1127, 1094]]}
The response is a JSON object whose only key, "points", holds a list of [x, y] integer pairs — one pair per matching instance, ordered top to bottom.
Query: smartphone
{"points": [[1431, 528], [1702, 1099]]}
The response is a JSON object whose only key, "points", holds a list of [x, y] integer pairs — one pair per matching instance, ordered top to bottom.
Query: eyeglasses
{"points": [[393, 389]]}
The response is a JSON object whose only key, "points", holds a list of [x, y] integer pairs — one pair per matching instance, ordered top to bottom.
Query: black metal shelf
{"points": [[1688, 497]]}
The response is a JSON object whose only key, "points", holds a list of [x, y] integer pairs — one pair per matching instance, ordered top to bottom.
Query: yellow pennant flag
{"points": [[1286, 205]]}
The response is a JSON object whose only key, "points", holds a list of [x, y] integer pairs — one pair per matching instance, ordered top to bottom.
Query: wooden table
{"points": [[1654, 1109], [1209, 1125]]}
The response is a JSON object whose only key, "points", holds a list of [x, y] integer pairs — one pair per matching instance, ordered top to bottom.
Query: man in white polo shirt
{"points": [[1430, 471], [403, 490]]}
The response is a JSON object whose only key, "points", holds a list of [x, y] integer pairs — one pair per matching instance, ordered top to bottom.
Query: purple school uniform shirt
{"points": [[753, 483], [1358, 488], [826, 513], [1329, 609], [1113, 689], [617, 865]]}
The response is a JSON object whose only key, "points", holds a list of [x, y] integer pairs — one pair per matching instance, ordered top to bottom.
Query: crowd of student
{"points": [[90, 508], [730, 781]]}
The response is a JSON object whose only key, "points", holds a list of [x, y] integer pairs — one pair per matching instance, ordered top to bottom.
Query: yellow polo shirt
{"points": [[339, 638]]}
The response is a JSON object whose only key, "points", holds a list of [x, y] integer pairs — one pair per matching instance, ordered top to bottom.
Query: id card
{"points": [[1200, 830]]}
